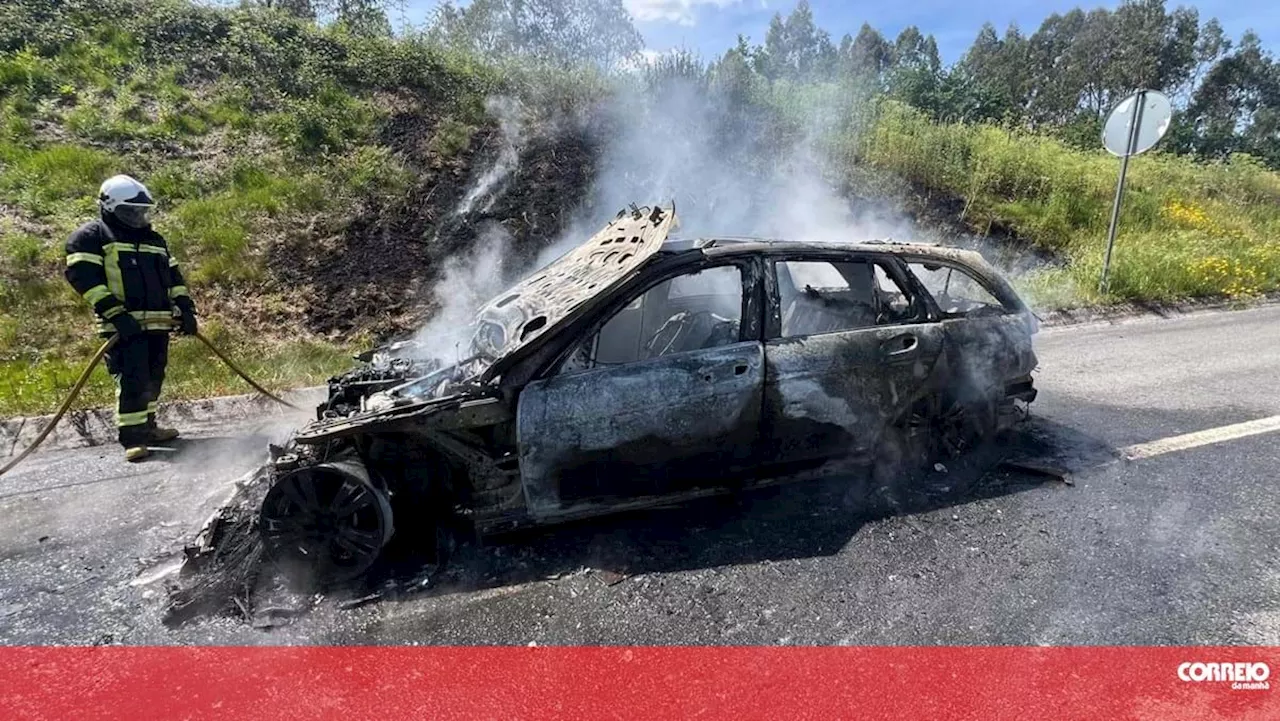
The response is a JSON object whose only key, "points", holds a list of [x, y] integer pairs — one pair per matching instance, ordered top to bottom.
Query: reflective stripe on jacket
{"points": [[118, 269]]}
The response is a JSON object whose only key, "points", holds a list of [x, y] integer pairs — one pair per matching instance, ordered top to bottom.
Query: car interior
{"points": [[957, 293], [827, 297], [688, 312]]}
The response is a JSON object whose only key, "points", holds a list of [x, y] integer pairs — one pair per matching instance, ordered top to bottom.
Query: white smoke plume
{"points": [[510, 116], [693, 148], [720, 165], [467, 281]]}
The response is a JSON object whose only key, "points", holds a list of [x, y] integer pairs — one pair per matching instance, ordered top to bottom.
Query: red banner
{"points": [[1156, 684]]}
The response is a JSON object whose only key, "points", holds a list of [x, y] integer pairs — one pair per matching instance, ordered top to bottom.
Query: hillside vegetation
{"points": [[314, 176], [1187, 229]]}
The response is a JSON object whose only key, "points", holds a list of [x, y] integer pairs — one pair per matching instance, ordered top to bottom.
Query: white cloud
{"points": [[675, 11]]}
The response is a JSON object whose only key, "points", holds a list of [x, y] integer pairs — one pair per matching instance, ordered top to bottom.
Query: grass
{"points": [[53, 178], [214, 229], [1187, 229], [33, 388]]}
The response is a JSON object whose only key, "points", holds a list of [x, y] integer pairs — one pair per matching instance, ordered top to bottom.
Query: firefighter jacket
{"points": [[119, 269]]}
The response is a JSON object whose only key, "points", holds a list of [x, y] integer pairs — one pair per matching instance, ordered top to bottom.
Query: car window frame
{"points": [[893, 267], [1007, 306], [749, 324]]}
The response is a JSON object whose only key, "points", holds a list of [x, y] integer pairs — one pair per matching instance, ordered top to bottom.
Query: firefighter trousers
{"points": [[137, 363]]}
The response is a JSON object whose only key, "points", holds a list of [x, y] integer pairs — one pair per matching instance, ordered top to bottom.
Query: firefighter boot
{"points": [[160, 434]]}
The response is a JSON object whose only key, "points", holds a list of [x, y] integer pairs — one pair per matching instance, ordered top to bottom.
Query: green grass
{"points": [[451, 138], [53, 178], [1187, 229], [214, 230], [28, 388]]}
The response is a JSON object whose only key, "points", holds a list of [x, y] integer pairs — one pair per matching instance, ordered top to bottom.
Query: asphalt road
{"points": [[1180, 548]]}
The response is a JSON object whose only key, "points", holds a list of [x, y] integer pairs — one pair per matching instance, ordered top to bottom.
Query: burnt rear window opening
{"points": [[957, 292], [817, 296]]}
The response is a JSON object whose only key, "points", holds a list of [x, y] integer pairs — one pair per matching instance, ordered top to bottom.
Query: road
{"points": [[1180, 547]]}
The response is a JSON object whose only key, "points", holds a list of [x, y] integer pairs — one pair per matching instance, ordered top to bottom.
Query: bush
{"points": [[329, 121], [1186, 228]]}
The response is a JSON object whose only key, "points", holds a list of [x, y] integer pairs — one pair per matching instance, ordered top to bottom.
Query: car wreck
{"points": [[638, 371]]}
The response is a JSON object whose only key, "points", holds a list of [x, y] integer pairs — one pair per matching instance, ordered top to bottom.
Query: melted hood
{"points": [[544, 301]]}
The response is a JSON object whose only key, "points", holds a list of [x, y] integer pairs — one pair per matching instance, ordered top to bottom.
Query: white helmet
{"points": [[127, 199]]}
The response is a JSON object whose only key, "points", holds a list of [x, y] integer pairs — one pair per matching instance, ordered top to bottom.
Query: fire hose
{"points": [[84, 378]]}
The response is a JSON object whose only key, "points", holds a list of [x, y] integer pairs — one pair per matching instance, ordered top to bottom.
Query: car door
{"points": [[991, 338], [849, 347], [663, 397]]}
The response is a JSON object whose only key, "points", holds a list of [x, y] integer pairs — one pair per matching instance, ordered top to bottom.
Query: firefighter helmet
{"points": [[126, 199]]}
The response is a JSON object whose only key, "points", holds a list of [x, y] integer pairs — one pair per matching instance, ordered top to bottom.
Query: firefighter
{"points": [[124, 270]]}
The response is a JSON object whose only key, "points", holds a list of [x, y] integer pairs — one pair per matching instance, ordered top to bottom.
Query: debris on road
{"points": [[1038, 468], [611, 578], [355, 603], [270, 617]]}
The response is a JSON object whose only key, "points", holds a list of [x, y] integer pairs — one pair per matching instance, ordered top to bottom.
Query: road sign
{"points": [[1153, 113], [1135, 125]]}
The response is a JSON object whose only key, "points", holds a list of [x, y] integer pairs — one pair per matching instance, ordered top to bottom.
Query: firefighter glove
{"points": [[187, 321], [126, 325]]}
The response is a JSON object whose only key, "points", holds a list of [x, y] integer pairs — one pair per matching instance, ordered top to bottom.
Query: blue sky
{"points": [[711, 26]]}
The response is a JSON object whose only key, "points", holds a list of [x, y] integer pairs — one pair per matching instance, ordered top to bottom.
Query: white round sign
{"points": [[1153, 112]]}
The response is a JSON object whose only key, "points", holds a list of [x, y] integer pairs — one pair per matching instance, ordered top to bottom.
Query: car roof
{"points": [[730, 245], [719, 247]]}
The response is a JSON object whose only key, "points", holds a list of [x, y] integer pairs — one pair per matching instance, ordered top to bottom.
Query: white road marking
{"points": [[1201, 438]]}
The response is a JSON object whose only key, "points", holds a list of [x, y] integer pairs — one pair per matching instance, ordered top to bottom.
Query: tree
{"points": [[297, 8], [358, 17], [567, 33], [1212, 44], [796, 49], [1153, 49], [869, 55], [1179, 55], [916, 72], [993, 74], [1055, 81], [1237, 105]]}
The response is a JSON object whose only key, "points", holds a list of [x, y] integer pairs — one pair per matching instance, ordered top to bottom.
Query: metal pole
{"points": [[1140, 100]]}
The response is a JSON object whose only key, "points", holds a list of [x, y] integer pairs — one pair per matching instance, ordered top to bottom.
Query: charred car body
{"points": [[636, 371]]}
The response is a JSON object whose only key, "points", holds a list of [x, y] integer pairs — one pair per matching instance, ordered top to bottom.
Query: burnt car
{"points": [[638, 371]]}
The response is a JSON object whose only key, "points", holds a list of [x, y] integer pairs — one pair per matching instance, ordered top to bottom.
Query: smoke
{"points": [[510, 116], [731, 167], [467, 281]]}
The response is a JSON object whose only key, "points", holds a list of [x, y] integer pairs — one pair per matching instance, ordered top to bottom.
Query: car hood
{"points": [[546, 300], [533, 308]]}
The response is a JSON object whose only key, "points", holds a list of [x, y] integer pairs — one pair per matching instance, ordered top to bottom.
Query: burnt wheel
{"points": [[945, 426], [937, 428], [326, 523]]}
